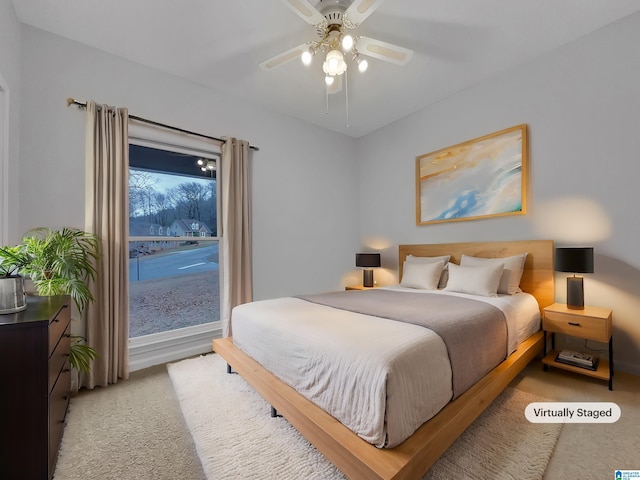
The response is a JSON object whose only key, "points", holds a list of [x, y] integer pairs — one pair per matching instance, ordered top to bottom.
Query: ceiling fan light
{"points": [[347, 42], [306, 57], [334, 63], [362, 65], [328, 80]]}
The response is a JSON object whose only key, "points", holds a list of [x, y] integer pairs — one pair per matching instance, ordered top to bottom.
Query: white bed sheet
{"points": [[380, 378]]}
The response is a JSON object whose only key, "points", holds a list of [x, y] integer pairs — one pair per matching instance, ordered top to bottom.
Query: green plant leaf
{"points": [[61, 262], [80, 354]]}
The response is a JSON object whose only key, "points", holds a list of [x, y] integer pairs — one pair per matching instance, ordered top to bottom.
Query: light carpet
{"points": [[235, 436]]}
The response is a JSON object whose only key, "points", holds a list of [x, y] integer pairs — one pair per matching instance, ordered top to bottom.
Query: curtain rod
{"points": [[73, 101]]}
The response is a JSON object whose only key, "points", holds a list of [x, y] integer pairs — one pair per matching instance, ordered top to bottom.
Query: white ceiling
{"points": [[456, 43]]}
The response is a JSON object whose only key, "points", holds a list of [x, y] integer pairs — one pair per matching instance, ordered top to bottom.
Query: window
{"points": [[173, 276]]}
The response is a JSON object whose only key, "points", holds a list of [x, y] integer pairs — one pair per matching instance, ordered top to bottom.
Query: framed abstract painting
{"points": [[483, 177]]}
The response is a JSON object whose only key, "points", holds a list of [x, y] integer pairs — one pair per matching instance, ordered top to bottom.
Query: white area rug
{"points": [[236, 438]]}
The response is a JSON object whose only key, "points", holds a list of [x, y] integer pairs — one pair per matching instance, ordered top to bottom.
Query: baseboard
{"points": [[164, 347]]}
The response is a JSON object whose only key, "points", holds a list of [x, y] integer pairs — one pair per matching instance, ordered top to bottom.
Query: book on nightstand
{"points": [[578, 359]]}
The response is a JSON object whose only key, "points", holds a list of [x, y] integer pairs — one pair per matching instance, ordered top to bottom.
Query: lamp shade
{"points": [[367, 260], [574, 260]]}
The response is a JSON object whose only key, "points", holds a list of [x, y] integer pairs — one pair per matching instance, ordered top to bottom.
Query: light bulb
{"points": [[347, 42], [306, 57], [334, 63], [363, 65], [328, 80], [200, 161]]}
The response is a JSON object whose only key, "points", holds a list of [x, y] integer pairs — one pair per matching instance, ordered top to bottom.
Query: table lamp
{"points": [[574, 260], [367, 261]]}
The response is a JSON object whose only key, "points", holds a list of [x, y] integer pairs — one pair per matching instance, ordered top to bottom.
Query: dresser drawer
{"points": [[57, 326], [598, 329], [59, 357], [58, 405]]}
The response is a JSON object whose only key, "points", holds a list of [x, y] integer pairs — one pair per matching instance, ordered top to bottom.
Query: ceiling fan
{"points": [[332, 20]]}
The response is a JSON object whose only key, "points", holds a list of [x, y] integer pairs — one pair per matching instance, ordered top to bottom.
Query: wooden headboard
{"points": [[538, 275]]}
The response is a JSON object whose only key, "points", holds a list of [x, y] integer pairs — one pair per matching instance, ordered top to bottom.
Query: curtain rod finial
{"points": [[70, 100]]}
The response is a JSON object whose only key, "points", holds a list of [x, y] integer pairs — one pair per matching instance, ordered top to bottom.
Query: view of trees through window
{"points": [[173, 248]]}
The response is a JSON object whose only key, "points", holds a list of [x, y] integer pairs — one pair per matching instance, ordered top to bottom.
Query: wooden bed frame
{"points": [[358, 459]]}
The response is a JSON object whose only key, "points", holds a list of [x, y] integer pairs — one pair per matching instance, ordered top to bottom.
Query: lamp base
{"points": [[367, 278], [575, 293]]}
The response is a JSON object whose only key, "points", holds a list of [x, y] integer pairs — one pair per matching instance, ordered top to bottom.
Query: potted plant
{"points": [[58, 262], [12, 293]]}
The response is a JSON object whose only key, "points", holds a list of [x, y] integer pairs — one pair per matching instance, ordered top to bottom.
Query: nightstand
{"points": [[358, 287], [591, 323]]}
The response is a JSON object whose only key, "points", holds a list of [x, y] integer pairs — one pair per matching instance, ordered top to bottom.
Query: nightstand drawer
{"points": [[582, 326]]}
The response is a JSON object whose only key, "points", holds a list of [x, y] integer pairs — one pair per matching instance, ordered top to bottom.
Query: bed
{"points": [[414, 449]]}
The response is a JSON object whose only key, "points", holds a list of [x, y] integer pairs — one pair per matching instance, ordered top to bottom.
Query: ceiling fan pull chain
{"points": [[326, 95], [346, 96]]}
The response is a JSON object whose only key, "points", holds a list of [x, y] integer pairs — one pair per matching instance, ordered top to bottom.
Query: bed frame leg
{"points": [[229, 370], [274, 413]]}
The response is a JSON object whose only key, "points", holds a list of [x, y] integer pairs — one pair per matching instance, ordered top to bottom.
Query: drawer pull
{"points": [[575, 324]]}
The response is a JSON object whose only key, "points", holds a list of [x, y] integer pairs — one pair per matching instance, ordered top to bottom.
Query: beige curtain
{"points": [[107, 215], [235, 246]]}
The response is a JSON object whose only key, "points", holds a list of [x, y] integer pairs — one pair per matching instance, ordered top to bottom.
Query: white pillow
{"points": [[413, 259], [511, 275], [424, 276], [444, 276], [476, 280]]}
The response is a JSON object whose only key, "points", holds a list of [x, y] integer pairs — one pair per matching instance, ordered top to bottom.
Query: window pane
{"points": [[173, 280], [172, 285]]}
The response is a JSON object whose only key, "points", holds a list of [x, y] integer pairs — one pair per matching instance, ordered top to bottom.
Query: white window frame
{"points": [[172, 345]]}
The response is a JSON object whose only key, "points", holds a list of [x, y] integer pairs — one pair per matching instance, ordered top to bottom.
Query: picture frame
{"points": [[480, 178]]}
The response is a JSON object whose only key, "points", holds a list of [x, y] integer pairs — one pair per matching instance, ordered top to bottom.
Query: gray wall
{"points": [[10, 56], [581, 105]]}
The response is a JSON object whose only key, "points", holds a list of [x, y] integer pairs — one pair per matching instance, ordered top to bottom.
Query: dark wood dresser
{"points": [[35, 378]]}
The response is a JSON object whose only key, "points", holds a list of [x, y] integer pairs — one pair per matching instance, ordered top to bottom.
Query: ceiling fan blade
{"points": [[359, 10], [306, 11], [383, 50], [284, 57]]}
